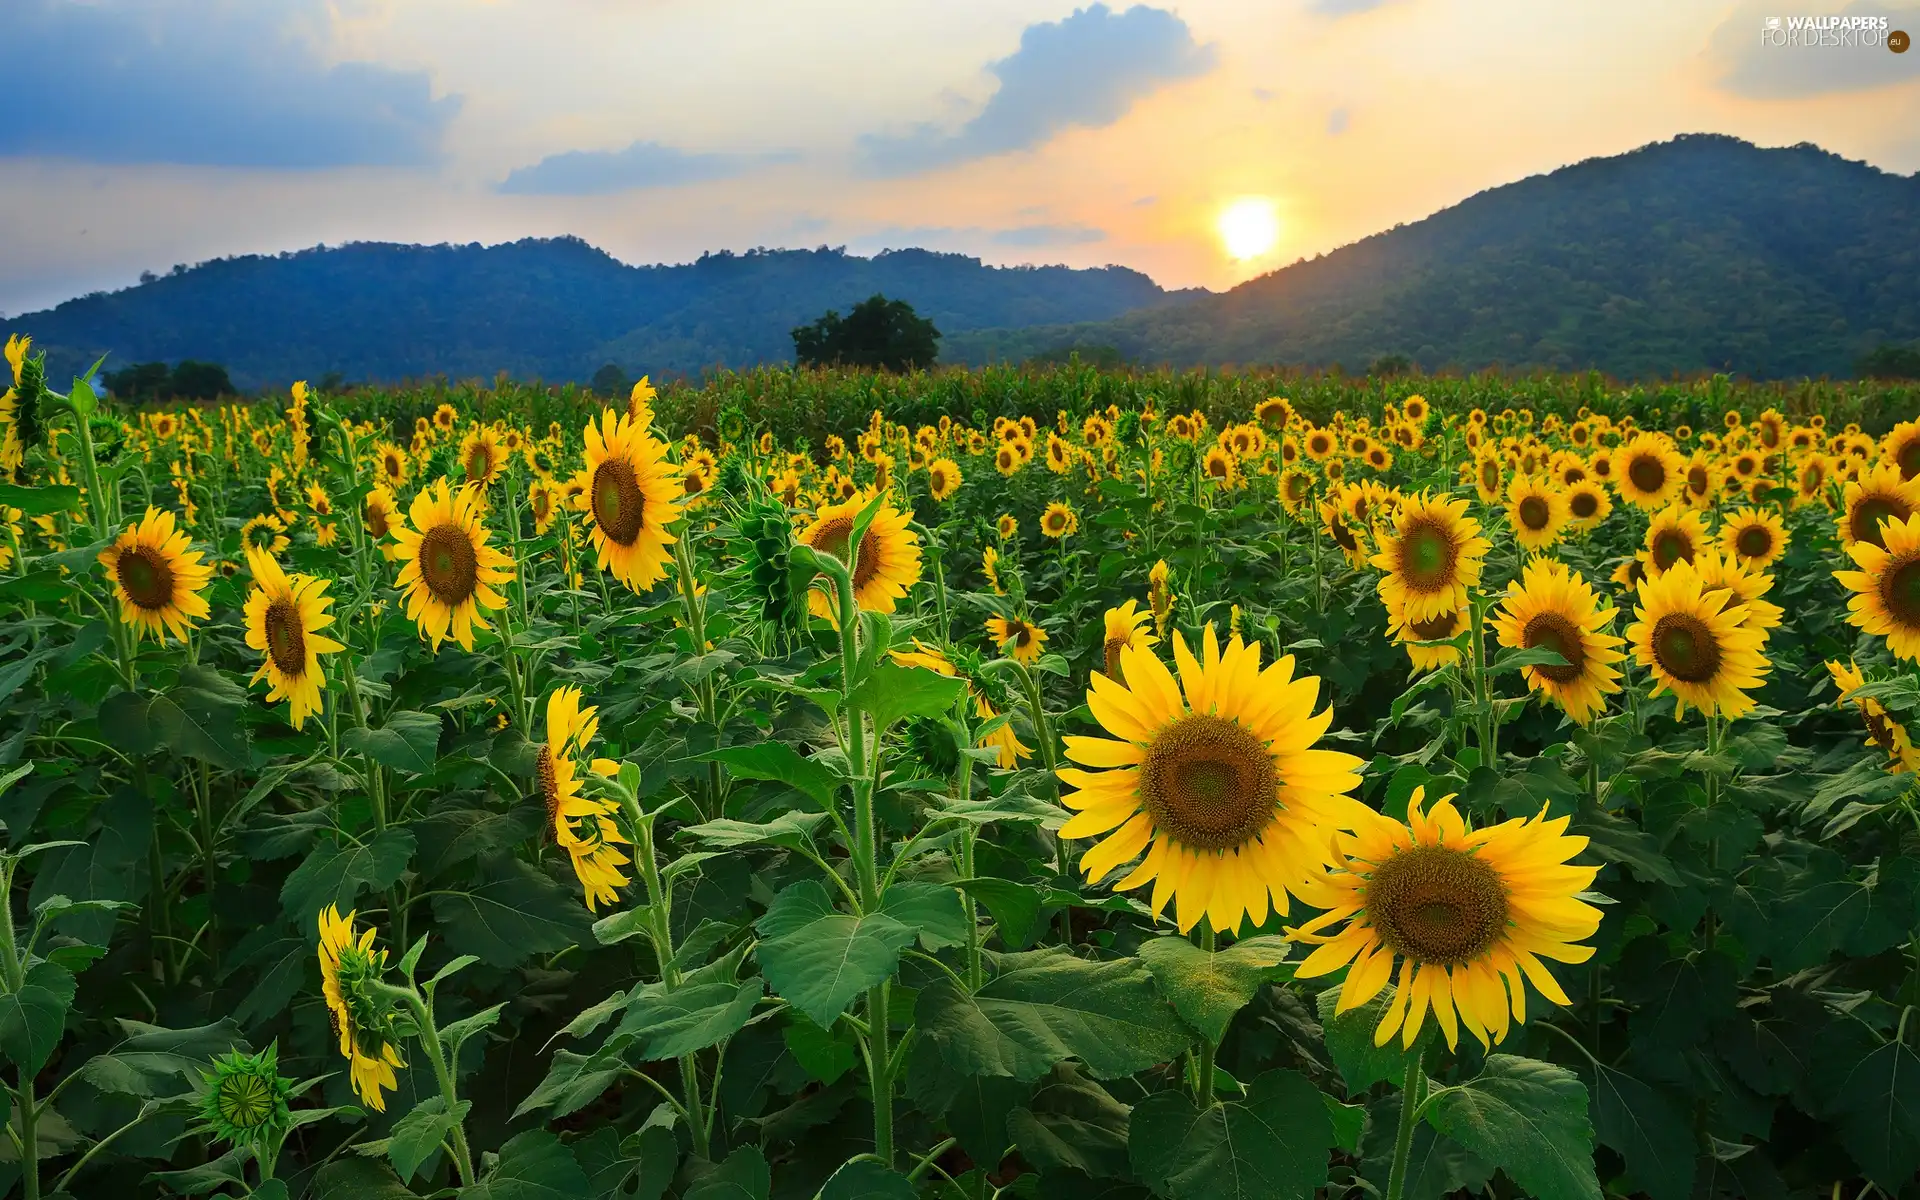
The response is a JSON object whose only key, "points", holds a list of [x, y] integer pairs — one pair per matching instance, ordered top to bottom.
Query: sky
{"points": [[138, 134]]}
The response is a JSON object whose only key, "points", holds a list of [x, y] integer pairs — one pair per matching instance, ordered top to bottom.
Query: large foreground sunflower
{"points": [[1648, 471], [632, 495], [1431, 557], [888, 562], [449, 569], [155, 577], [1886, 588], [1552, 608], [284, 618], [1698, 643], [1215, 777], [582, 826], [1468, 914]]}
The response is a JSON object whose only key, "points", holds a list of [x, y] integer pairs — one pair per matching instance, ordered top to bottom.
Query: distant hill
{"points": [[1701, 253], [555, 309]]}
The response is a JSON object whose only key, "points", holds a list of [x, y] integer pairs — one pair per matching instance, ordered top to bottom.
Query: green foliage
{"points": [[878, 334]]}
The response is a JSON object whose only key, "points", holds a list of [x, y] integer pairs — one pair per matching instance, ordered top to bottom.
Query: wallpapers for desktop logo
{"points": [[1848, 32]]}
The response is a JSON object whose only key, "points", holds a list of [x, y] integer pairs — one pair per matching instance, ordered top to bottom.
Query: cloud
{"points": [[1346, 8], [1746, 64], [1086, 70], [205, 84], [1338, 120], [641, 165], [1049, 235]]}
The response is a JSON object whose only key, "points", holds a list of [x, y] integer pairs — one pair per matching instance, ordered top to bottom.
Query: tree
{"points": [[877, 333], [1890, 360], [610, 380], [200, 381], [139, 382]]}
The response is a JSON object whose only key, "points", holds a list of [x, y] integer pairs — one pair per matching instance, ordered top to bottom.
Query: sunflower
{"points": [[1274, 412], [444, 418], [1320, 445], [1900, 449], [481, 456], [1008, 460], [390, 464], [1219, 467], [1648, 471], [1488, 475], [943, 478], [1700, 480], [1810, 481], [1296, 490], [632, 495], [1878, 496], [541, 503], [1588, 506], [379, 511], [1536, 511], [1059, 520], [1007, 526], [264, 532], [1675, 535], [1755, 536], [1350, 540], [1431, 558], [888, 562], [990, 567], [449, 569], [1729, 572], [155, 577], [1160, 595], [1886, 599], [1549, 606], [284, 617], [1124, 627], [1410, 634], [1028, 641], [1698, 643], [1882, 729], [1004, 739], [1215, 777], [581, 825], [1469, 914], [361, 1014]]}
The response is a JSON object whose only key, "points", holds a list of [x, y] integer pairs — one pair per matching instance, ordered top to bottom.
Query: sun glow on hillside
{"points": [[1248, 227]]}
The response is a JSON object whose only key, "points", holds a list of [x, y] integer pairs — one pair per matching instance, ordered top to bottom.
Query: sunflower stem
{"points": [[422, 1008], [1209, 1049], [1403, 1137]]}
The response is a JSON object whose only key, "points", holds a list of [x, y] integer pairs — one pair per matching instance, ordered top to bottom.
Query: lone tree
{"points": [[878, 333], [610, 380]]}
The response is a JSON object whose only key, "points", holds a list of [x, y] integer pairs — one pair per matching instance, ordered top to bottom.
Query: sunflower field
{"points": [[1025, 784]]}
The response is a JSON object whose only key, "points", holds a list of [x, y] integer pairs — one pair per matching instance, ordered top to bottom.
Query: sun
{"points": [[1249, 227]]}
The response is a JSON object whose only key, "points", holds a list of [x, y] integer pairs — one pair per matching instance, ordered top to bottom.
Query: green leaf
{"points": [[40, 501], [41, 587], [1516, 658], [893, 693], [183, 722], [408, 742], [780, 763], [789, 829], [1615, 839], [111, 866], [336, 872], [1015, 907], [931, 909], [514, 913], [819, 959], [1208, 989], [1046, 1006], [34, 1019], [668, 1024], [1349, 1038], [821, 1053], [155, 1062], [573, 1081], [1876, 1104], [1528, 1118], [1072, 1124], [1650, 1130], [417, 1135], [1273, 1144], [533, 1166], [1437, 1166], [230, 1167], [744, 1176], [865, 1179]]}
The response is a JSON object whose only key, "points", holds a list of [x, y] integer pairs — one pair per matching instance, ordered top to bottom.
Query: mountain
{"points": [[1701, 253], [555, 309]]}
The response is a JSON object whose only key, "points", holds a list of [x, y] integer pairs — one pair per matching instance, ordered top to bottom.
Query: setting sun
{"points": [[1249, 227]]}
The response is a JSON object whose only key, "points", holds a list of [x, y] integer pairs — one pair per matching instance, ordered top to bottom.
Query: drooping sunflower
{"points": [[1900, 449], [481, 457], [1648, 471], [943, 478], [633, 494], [1879, 495], [1588, 505], [379, 511], [1536, 511], [1059, 520], [265, 532], [1675, 535], [1755, 536], [1351, 541], [1432, 556], [887, 564], [990, 567], [449, 570], [155, 577], [1886, 588], [1160, 595], [1549, 606], [284, 617], [1125, 626], [1442, 628], [1021, 639], [1698, 643], [1882, 729], [1004, 739], [1215, 776], [581, 825], [1468, 914], [362, 1015]]}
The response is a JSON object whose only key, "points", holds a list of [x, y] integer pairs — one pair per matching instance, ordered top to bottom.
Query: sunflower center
{"points": [[1908, 456], [479, 462], [1648, 473], [1489, 476], [1697, 480], [618, 503], [1583, 505], [1535, 513], [1869, 513], [376, 517], [1342, 534], [833, 537], [1755, 541], [1670, 547], [1426, 556], [448, 565], [146, 578], [1900, 592], [1437, 628], [1553, 631], [286, 637], [1113, 648], [1685, 648], [1209, 783], [549, 784], [1435, 904], [244, 1101]]}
